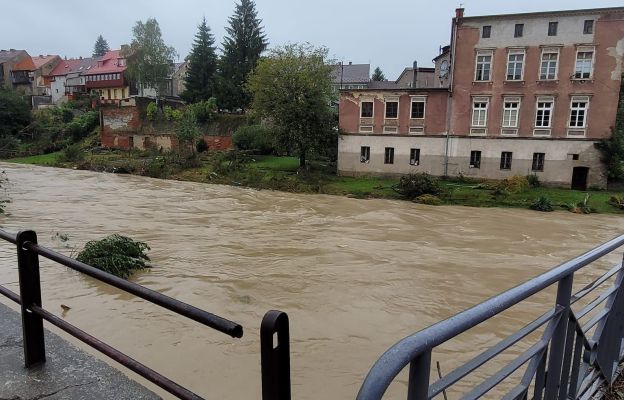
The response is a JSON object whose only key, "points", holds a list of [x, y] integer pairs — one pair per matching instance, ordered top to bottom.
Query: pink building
{"points": [[526, 94]]}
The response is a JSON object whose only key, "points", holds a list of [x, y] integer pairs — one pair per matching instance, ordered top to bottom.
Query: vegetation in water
{"points": [[414, 185], [542, 203], [116, 254]]}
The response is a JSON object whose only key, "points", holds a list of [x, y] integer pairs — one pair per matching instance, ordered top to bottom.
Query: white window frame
{"points": [[585, 49], [549, 50], [515, 52], [480, 53], [418, 99], [578, 99], [392, 100], [475, 100], [506, 100], [367, 101], [365, 129], [390, 129], [543, 130]]}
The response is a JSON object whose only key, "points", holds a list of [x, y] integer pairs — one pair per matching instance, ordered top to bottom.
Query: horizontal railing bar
{"points": [[9, 237], [587, 289], [11, 295], [596, 302], [597, 318], [214, 321], [125, 360], [387, 367], [509, 369], [458, 373]]}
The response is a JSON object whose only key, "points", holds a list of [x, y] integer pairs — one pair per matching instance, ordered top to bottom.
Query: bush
{"points": [[151, 111], [204, 111], [172, 114], [81, 126], [257, 138], [201, 146], [73, 153], [157, 167], [533, 180], [514, 184], [414, 185], [429, 199], [617, 201], [542, 203], [115, 254]]}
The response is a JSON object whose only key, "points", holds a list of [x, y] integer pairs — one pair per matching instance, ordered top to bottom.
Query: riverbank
{"points": [[283, 174]]}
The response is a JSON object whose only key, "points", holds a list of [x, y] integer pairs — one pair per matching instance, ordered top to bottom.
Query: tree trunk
{"points": [[302, 159]]}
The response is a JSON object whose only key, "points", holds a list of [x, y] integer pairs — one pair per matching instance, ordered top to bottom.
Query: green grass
{"points": [[43, 159], [275, 163]]}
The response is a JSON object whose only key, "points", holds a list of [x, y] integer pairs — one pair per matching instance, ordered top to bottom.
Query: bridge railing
{"points": [[33, 314], [564, 363]]}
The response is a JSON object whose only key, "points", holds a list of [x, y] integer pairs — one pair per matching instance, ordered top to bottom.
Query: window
{"points": [[588, 27], [552, 28], [519, 30], [486, 31], [515, 62], [584, 64], [484, 66], [548, 67], [392, 108], [418, 108], [511, 108], [367, 109], [479, 112], [578, 112], [543, 114], [365, 154], [389, 155], [414, 157], [575, 157], [475, 159], [505, 162], [538, 162]]}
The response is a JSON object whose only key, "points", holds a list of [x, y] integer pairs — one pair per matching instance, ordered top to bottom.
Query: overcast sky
{"points": [[386, 33]]}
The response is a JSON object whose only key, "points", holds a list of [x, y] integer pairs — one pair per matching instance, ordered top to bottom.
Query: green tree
{"points": [[242, 46], [101, 47], [149, 58], [202, 65], [378, 75], [293, 89], [14, 113], [187, 132], [613, 148]]}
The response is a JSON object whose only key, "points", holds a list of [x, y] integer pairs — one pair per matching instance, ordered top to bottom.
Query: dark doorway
{"points": [[579, 178]]}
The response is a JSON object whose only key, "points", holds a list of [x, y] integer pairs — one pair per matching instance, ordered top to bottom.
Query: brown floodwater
{"points": [[354, 276]]}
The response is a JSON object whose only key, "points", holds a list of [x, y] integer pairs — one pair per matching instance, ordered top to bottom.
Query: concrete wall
{"points": [[57, 88], [558, 164]]}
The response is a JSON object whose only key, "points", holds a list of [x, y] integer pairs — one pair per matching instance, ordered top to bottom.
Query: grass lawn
{"points": [[43, 159], [275, 163]]}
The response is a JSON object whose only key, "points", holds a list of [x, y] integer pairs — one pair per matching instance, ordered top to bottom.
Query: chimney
{"points": [[459, 13], [350, 63], [415, 76]]}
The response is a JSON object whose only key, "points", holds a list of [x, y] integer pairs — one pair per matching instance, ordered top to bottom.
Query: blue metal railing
{"points": [[555, 368]]}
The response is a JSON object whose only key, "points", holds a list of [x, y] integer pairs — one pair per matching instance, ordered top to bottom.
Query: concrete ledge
{"points": [[69, 373]]}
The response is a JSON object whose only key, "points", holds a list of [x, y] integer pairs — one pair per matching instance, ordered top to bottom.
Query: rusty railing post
{"points": [[30, 293], [275, 356]]}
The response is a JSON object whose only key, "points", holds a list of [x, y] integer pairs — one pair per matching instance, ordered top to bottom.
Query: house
{"points": [[8, 60], [43, 67], [22, 76], [350, 76], [106, 77], [424, 77], [66, 79], [178, 79], [527, 93]]}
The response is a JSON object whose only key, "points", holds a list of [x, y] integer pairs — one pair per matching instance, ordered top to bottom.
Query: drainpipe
{"points": [[459, 13], [414, 75]]}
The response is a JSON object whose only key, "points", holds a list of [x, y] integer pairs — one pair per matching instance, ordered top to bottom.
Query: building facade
{"points": [[9, 59], [107, 77], [66, 79], [527, 94]]}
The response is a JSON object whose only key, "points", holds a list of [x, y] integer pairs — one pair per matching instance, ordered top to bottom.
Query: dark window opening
{"points": [[588, 27], [552, 28], [519, 30], [486, 32], [367, 109], [392, 109], [418, 109], [364, 154], [389, 155], [414, 157], [575, 157], [475, 159], [505, 162], [538, 162]]}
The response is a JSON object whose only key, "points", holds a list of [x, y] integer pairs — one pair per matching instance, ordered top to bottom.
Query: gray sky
{"points": [[386, 33]]}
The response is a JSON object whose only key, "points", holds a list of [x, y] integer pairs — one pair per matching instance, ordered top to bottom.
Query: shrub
{"points": [[151, 111], [204, 111], [172, 114], [81, 126], [257, 138], [201, 146], [72, 153], [157, 167], [533, 180], [514, 184], [414, 185], [429, 199], [617, 201], [542, 203], [115, 254]]}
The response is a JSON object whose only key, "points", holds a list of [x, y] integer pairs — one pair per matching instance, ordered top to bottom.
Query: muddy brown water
{"points": [[354, 276]]}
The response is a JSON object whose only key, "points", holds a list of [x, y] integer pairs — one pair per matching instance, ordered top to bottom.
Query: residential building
{"points": [[8, 60], [43, 67], [22, 76], [351, 76], [106, 77], [422, 78], [66, 79], [178, 83], [527, 93]]}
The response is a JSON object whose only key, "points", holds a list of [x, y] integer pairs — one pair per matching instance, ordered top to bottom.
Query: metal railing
{"points": [[33, 314], [565, 363]]}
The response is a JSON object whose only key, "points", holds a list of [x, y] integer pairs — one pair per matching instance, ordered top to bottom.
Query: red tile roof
{"points": [[40, 61], [108, 63], [26, 64], [73, 65]]}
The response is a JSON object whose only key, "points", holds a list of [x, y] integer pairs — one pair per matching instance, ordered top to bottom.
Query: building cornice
{"points": [[587, 11]]}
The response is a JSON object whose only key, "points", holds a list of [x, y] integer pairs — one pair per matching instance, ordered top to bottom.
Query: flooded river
{"points": [[354, 276]]}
